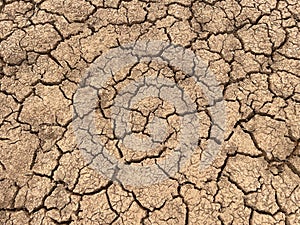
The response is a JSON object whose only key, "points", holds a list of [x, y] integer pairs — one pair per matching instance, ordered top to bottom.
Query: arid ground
{"points": [[251, 47]]}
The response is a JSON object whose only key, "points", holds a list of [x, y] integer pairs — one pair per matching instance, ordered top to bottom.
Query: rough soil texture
{"points": [[252, 47]]}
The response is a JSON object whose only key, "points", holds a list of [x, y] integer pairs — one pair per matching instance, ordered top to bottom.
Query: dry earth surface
{"points": [[251, 46]]}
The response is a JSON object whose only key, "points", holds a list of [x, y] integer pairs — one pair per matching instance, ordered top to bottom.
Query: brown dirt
{"points": [[251, 46]]}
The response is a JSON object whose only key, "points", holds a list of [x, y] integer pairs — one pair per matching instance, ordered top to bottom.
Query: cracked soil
{"points": [[251, 46]]}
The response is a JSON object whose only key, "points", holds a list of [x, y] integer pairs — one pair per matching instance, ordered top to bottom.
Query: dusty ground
{"points": [[252, 47]]}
